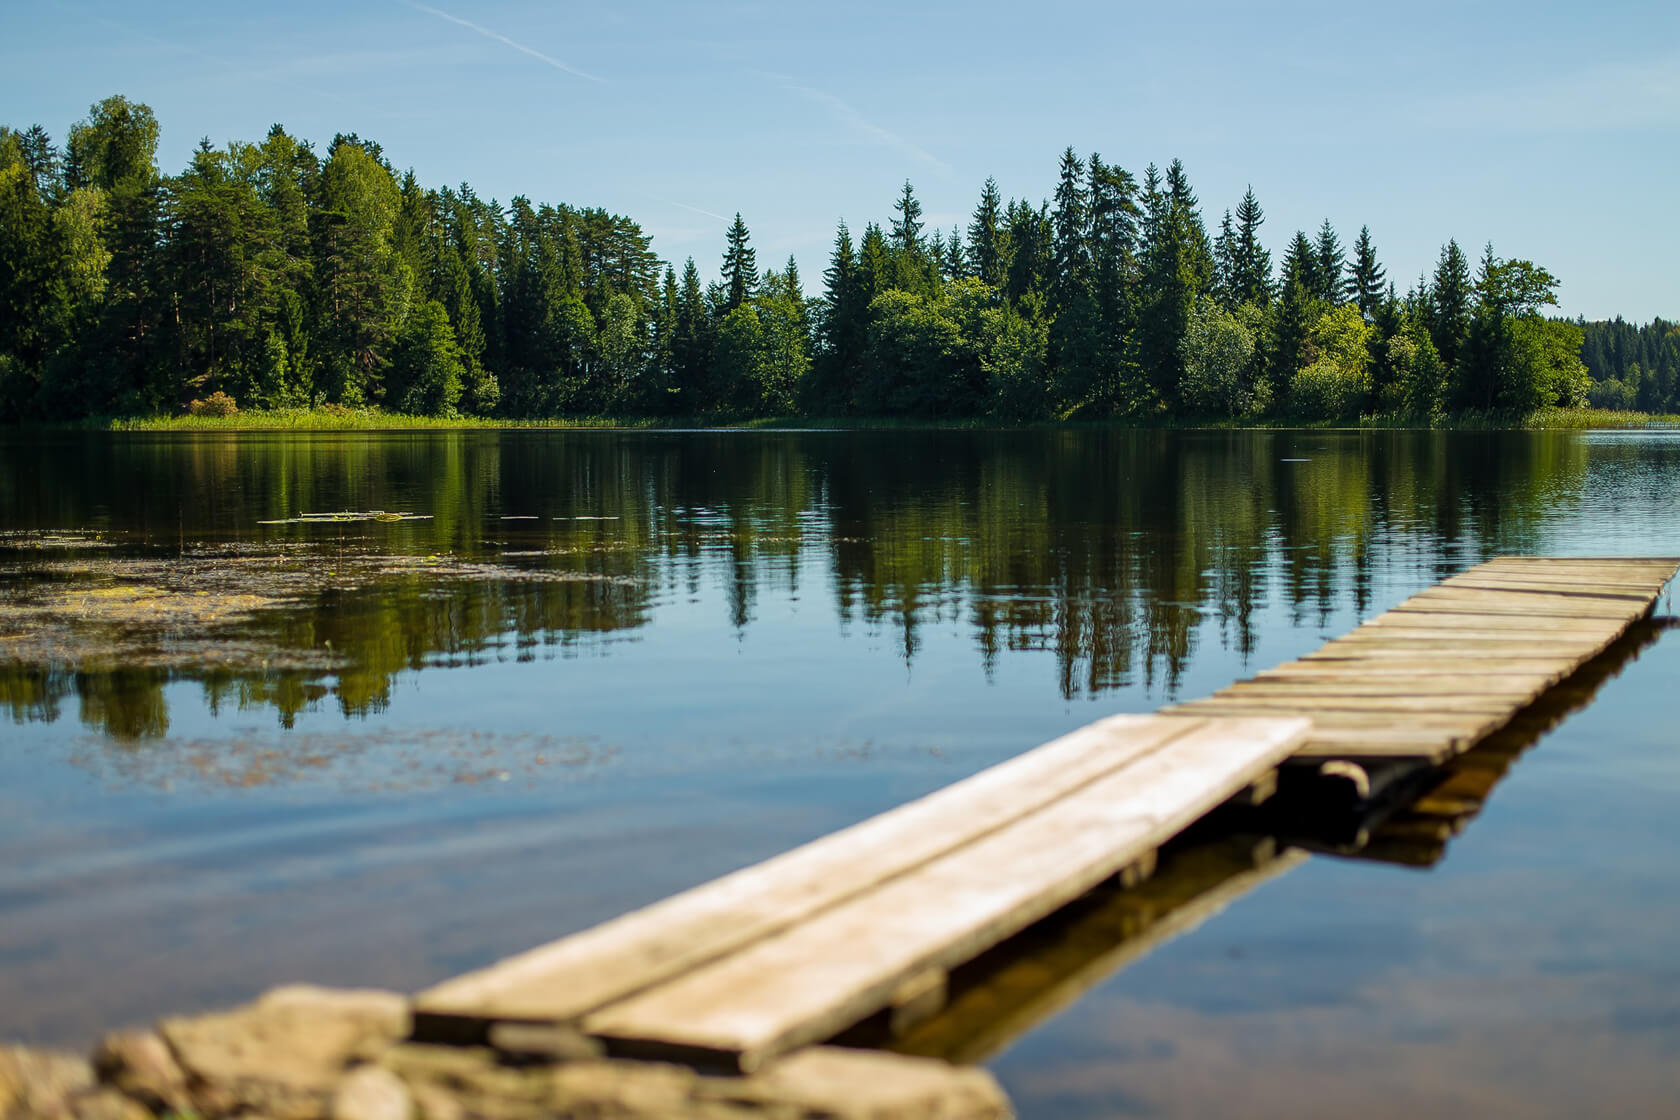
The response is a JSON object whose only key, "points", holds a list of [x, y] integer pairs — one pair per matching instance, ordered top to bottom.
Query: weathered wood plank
{"points": [[1569, 589], [1519, 602], [1492, 623], [1440, 674], [1504, 687], [1311, 702], [566, 978], [744, 1009]]}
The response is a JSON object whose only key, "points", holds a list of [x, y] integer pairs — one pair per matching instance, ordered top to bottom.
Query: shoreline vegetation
{"points": [[330, 289], [373, 420]]}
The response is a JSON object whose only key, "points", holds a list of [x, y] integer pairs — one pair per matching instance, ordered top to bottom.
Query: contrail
{"points": [[504, 40], [855, 120], [696, 209]]}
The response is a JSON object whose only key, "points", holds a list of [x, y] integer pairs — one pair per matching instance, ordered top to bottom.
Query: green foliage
{"points": [[290, 280], [1218, 364], [426, 373], [1337, 382], [1417, 384]]}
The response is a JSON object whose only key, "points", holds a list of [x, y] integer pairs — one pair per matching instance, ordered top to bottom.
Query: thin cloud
{"points": [[505, 41], [858, 123]]}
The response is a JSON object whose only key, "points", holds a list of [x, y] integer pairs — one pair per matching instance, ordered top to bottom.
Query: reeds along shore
{"points": [[372, 419]]}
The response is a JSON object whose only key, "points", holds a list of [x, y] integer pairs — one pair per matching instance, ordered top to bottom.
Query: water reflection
{"points": [[1118, 552], [1018, 986]]}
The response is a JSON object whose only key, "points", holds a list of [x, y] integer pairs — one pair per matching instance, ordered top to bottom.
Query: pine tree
{"points": [[1187, 210], [907, 227], [1029, 235], [985, 237], [956, 259], [1225, 264], [1251, 264], [740, 265], [1328, 265], [1114, 269], [875, 272], [1366, 278], [1448, 316], [1074, 331], [691, 344]]}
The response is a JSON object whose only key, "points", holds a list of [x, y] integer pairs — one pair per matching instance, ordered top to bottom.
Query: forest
{"points": [[271, 275]]}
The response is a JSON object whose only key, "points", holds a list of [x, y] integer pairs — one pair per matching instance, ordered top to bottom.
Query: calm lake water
{"points": [[609, 665]]}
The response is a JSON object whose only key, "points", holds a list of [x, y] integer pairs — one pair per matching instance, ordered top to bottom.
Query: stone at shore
{"points": [[305, 1053], [284, 1055], [140, 1065], [41, 1082]]}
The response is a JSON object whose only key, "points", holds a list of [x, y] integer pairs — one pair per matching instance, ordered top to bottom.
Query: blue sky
{"points": [[1551, 129]]}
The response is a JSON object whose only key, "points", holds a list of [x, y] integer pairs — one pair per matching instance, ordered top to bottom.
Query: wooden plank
{"points": [[1658, 562], [1567, 588], [1521, 602], [1502, 626], [1395, 640], [1565, 643], [1437, 656], [1426, 674], [1506, 687], [1309, 703], [1345, 711], [566, 978], [744, 1009]]}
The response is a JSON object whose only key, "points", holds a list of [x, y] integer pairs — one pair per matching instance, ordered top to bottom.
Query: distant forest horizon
{"points": [[268, 275]]}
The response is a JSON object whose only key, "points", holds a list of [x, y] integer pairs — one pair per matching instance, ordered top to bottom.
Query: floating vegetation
{"points": [[346, 515], [44, 540], [235, 608], [378, 760]]}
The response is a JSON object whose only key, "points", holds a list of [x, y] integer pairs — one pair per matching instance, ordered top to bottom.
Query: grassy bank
{"points": [[341, 419]]}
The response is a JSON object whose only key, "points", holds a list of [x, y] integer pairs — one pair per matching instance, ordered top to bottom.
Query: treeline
{"points": [[283, 277], [1633, 367]]}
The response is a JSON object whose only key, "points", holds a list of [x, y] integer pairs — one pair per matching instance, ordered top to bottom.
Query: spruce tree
{"points": [[907, 227], [985, 237], [956, 258], [1225, 264], [1251, 264], [740, 265], [1328, 265], [1114, 268], [1366, 278], [1448, 315], [690, 344]]}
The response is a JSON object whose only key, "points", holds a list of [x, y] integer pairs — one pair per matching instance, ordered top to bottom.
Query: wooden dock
{"points": [[869, 921]]}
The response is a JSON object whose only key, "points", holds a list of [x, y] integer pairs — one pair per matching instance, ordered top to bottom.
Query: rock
{"points": [[553, 1042], [285, 1054], [139, 1064], [40, 1082], [449, 1082], [820, 1083], [841, 1084], [628, 1091], [372, 1093], [434, 1103], [108, 1104]]}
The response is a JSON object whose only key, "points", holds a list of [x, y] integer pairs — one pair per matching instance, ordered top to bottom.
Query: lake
{"points": [[242, 748]]}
